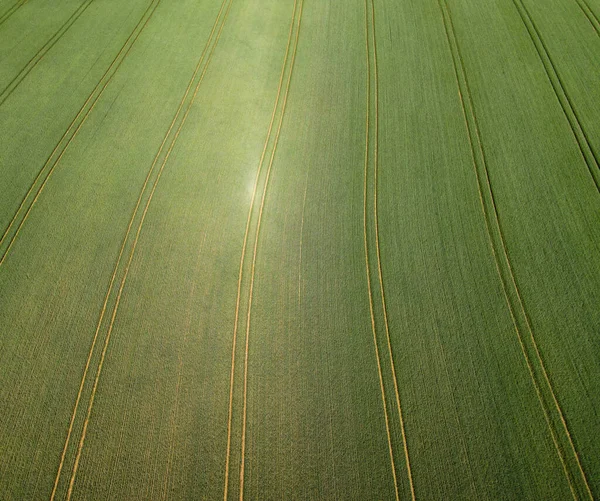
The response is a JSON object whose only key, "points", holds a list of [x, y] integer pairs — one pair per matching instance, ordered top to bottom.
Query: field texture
{"points": [[299, 250]]}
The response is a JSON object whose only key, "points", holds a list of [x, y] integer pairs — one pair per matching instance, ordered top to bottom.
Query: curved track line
{"points": [[11, 10], [589, 13], [14, 83], [585, 146], [56, 148], [365, 191], [244, 245], [122, 249], [255, 250], [505, 251], [495, 254], [131, 255], [380, 274], [113, 277], [513, 280]]}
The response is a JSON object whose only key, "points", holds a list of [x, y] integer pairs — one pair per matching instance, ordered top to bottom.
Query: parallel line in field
{"points": [[11, 10], [589, 13], [147, 15], [14, 83], [92, 100], [464, 104], [475, 137], [585, 146], [594, 168], [130, 226], [302, 235], [256, 240], [134, 245], [366, 246], [378, 252], [243, 254], [301, 322], [88, 362], [175, 414], [459, 423]]}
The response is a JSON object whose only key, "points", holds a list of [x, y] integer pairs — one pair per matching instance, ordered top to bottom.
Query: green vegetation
{"points": [[300, 249]]}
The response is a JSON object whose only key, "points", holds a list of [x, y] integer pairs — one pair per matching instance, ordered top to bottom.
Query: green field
{"points": [[299, 250]]}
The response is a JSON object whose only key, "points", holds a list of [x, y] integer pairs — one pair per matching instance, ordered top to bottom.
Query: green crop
{"points": [[299, 249]]}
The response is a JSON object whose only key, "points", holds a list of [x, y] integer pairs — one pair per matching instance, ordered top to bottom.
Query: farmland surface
{"points": [[299, 250]]}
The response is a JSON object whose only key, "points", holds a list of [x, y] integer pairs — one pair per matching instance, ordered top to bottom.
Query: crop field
{"points": [[299, 250]]}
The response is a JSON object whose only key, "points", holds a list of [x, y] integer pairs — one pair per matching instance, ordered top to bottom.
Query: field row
{"points": [[299, 250]]}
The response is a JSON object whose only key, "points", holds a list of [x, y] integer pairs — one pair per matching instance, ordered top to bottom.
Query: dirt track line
{"points": [[10, 11], [589, 13], [457, 61], [14, 83], [81, 111], [585, 146], [134, 245], [244, 245], [366, 246], [122, 249], [255, 250], [379, 269], [521, 302], [87, 365]]}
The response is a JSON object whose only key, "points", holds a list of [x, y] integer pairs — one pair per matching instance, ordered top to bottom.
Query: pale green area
{"points": [[316, 429]]}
